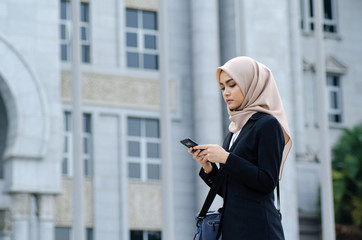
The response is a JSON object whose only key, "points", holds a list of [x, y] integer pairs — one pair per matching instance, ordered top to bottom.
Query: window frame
{"points": [[307, 17], [67, 23], [141, 32], [337, 90], [67, 160], [143, 160], [88, 232], [144, 234]]}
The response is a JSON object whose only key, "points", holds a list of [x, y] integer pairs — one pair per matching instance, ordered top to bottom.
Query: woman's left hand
{"points": [[213, 153]]}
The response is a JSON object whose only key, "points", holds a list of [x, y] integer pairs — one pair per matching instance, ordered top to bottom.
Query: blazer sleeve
{"points": [[269, 144], [209, 178]]}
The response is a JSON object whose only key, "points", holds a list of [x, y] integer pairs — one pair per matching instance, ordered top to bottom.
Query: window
{"points": [[330, 18], [65, 31], [141, 39], [334, 98], [143, 149], [67, 164], [64, 233], [145, 235]]}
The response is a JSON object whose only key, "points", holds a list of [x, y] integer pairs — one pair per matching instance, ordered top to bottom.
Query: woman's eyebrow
{"points": [[229, 80], [220, 83]]}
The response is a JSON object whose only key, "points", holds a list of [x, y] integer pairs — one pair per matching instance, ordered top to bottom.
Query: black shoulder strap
{"points": [[212, 193], [278, 200]]}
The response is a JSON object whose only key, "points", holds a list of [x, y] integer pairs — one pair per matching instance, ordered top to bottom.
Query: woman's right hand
{"points": [[206, 165]]}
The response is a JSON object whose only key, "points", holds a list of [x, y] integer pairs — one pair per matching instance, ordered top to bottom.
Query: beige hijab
{"points": [[261, 94]]}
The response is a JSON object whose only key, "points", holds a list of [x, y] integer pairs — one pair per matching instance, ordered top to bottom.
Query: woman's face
{"points": [[231, 91]]}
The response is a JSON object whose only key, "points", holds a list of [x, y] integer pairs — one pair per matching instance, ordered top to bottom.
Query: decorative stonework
{"points": [[142, 4], [122, 91], [63, 204], [20, 205], [145, 206], [5, 222]]}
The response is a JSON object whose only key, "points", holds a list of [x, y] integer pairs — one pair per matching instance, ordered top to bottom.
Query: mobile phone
{"points": [[189, 143]]}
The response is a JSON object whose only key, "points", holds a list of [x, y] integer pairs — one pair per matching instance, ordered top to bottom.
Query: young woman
{"points": [[253, 153]]}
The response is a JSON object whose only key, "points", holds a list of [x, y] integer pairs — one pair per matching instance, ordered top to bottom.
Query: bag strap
{"points": [[212, 193], [278, 200]]}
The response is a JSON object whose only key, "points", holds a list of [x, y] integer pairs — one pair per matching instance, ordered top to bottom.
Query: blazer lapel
{"points": [[247, 126], [226, 143]]}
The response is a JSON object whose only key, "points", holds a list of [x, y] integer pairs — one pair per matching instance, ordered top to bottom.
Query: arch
{"points": [[26, 106]]}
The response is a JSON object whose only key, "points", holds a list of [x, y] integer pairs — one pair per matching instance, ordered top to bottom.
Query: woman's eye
{"points": [[232, 85], [222, 89]]}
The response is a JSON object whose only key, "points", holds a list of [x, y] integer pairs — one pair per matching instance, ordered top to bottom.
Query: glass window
{"points": [[84, 9], [64, 10], [330, 16], [131, 18], [149, 20], [66, 25], [63, 33], [84, 33], [131, 39], [141, 39], [150, 41], [64, 52], [85, 54], [132, 60], [150, 61], [334, 98], [68, 121], [134, 126], [152, 128], [85, 145], [144, 145], [134, 149], [153, 150], [67, 163], [65, 166], [134, 170], [153, 171], [62, 233], [89, 234], [145, 235], [153, 235]]}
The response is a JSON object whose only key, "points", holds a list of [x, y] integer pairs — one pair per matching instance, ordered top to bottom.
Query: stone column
{"points": [[205, 59], [20, 207], [46, 217], [5, 224]]}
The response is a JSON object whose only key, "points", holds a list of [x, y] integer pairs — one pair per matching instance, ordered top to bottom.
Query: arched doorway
{"points": [[3, 133]]}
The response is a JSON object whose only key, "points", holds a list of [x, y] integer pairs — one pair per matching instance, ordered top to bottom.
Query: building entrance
{"points": [[3, 134]]}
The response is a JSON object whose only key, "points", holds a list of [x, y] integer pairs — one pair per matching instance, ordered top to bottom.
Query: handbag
{"points": [[208, 222]]}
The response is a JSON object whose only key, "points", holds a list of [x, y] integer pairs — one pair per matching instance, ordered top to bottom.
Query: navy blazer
{"points": [[252, 171]]}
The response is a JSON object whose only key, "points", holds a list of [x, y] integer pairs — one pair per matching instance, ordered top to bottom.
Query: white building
{"points": [[120, 51]]}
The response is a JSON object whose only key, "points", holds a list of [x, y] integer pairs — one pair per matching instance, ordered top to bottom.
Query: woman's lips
{"points": [[229, 100]]}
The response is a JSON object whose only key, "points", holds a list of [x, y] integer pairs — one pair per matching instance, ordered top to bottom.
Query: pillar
{"points": [[205, 57], [20, 207], [46, 217], [5, 224]]}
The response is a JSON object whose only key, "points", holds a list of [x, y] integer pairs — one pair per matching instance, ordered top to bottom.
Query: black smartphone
{"points": [[189, 143]]}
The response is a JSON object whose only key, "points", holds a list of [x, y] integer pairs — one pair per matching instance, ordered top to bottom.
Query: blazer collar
{"points": [[247, 126]]}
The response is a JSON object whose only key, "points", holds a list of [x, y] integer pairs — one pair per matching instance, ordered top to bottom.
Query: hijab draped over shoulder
{"points": [[261, 94]]}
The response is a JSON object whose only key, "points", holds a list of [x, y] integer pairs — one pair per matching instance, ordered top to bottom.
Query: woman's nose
{"points": [[226, 92]]}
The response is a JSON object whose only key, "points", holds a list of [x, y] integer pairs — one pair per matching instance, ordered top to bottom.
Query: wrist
{"points": [[207, 168]]}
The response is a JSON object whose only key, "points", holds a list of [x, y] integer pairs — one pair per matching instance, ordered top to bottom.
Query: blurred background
{"points": [[121, 153]]}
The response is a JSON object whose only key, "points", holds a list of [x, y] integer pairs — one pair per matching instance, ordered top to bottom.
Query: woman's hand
{"points": [[212, 153], [206, 165]]}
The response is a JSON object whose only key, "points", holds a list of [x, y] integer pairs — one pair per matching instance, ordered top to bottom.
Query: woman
{"points": [[253, 153]]}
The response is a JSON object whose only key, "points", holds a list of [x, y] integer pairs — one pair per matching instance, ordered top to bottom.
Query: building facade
{"points": [[121, 107]]}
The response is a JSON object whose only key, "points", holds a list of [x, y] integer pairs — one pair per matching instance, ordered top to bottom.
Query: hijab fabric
{"points": [[261, 94]]}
